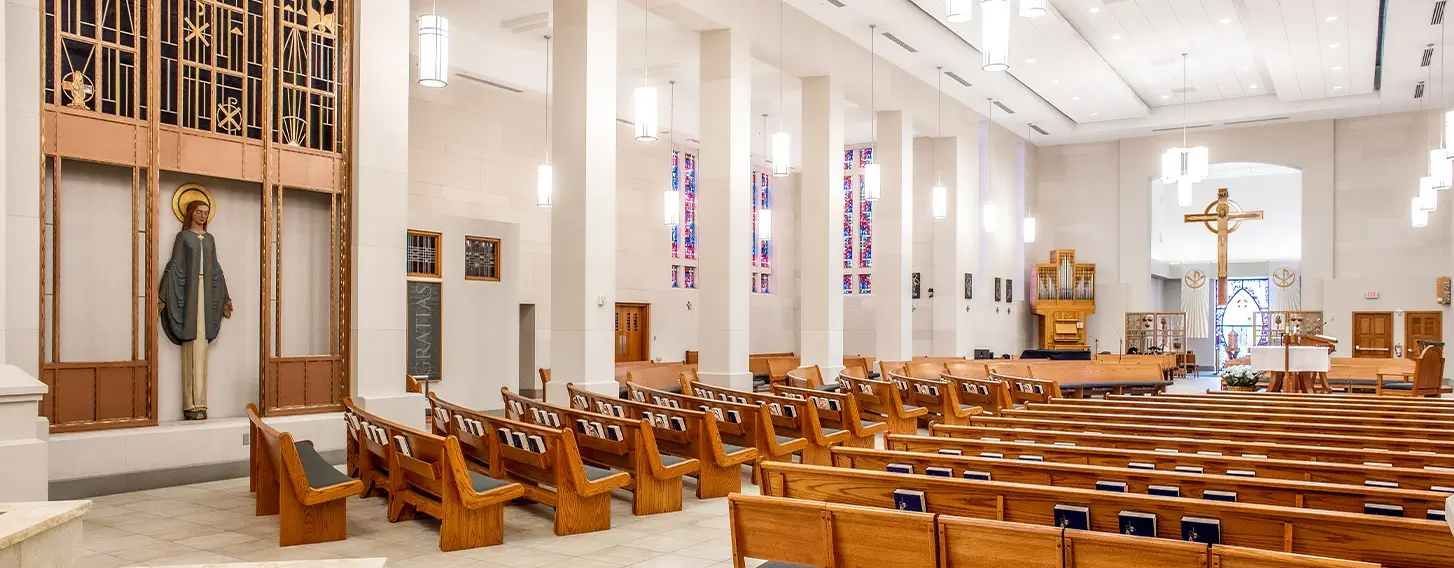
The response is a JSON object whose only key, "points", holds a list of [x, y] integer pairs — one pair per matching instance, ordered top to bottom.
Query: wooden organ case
{"points": [[1065, 295]]}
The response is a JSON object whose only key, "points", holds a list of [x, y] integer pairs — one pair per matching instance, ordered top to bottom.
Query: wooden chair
{"points": [[544, 380], [991, 395], [938, 396], [882, 399], [793, 416], [740, 424], [861, 431], [683, 433], [616, 442], [1021, 468], [294, 482], [808, 533], [1402, 542]]}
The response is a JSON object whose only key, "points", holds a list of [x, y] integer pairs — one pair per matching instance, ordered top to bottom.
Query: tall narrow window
{"points": [[857, 223], [684, 234], [761, 235], [421, 254]]}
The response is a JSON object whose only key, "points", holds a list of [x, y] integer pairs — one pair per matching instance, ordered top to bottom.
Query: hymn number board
{"points": [[423, 329]]}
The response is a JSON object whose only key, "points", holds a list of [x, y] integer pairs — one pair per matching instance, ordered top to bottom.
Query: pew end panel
{"points": [[308, 493]]}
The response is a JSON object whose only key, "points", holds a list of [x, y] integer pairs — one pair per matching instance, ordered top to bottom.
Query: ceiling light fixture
{"points": [[1032, 8], [1094, 9], [958, 11], [1332, 19], [1226, 20], [1115, 37], [995, 41], [1333, 46], [433, 49], [1252, 86], [1337, 87], [647, 115], [780, 140], [1184, 165], [1441, 170], [545, 173], [872, 175], [938, 195], [671, 199], [988, 214], [764, 215], [1420, 217]]}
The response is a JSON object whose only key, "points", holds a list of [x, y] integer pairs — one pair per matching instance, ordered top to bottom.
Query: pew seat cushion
{"points": [[873, 375], [828, 388], [912, 408], [868, 423], [830, 431], [783, 440], [732, 449], [669, 460], [319, 472], [594, 473], [484, 483]]}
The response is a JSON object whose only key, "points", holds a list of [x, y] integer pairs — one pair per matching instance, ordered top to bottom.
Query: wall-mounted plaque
{"points": [[914, 286], [968, 286], [997, 289], [1009, 290], [422, 330]]}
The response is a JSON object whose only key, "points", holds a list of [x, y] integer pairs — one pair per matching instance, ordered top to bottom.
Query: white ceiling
{"points": [[1087, 70]]}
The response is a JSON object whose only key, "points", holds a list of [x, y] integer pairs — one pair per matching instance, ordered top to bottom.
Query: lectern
{"points": [[1300, 364]]}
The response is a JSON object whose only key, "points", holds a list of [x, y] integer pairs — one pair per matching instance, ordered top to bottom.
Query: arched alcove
{"points": [[1273, 189]]}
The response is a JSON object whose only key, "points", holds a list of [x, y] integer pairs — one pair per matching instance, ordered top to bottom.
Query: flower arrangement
{"points": [[1239, 376]]}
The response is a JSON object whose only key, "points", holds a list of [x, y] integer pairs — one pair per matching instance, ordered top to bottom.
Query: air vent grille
{"points": [[836, 3], [1438, 17], [896, 40], [1428, 56], [957, 78], [484, 81], [1419, 90], [1002, 106], [1254, 121], [1037, 128], [1178, 128]]}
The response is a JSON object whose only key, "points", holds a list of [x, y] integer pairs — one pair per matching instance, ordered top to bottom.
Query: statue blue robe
{"points": [[179, 284]]}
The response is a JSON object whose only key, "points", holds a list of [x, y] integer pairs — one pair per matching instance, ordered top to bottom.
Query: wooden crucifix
{"points": [[1228, 216]]}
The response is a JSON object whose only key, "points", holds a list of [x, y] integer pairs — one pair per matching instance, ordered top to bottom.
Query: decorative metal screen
{"points": [[421, 253], [482, 258], [1269, 326], [1163, 330]]}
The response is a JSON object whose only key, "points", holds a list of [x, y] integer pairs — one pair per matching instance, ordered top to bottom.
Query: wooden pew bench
{"points": [[810, 377], [1088, 378], [1026, 390], [937, 395], [991, 395], [881, 399], [1276, 400], [1138, 402], [840, 414], [790, 415], [1336, 423], [739, 424], [1293, 424], [684, 433], [615, 442], [1017, 443], [368, 454], [545, 461], [430, 476], [292, 481], [1185, 483], [790, 532], [1391, 541]]}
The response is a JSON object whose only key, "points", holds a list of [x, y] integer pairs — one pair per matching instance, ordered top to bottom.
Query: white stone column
{"points": [[726, 185], [381, 211], [583, 218], [893, 218], [956, 244], [820, 318]]}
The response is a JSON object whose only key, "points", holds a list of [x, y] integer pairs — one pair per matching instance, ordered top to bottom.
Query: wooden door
{"points": [[1421, 325], [633, 332], [1372, 335]]}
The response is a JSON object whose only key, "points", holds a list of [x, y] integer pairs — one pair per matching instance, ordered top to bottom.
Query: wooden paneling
{"points": [[94, 138], [209, 154], [304, 169], [1421, 325], [633, 332], [1372, 335], [318, 383], [299, 385], [115, 393], [75, 395], [92, 396]]}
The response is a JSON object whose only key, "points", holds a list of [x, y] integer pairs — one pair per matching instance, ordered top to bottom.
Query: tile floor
{"points": [[213, 522]]}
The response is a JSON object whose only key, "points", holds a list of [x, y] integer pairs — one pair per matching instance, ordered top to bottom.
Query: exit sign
{"points": [[1370, 295]]}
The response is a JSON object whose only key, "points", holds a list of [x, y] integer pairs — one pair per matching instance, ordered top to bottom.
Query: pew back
{"points": [[935, 394], [991, 395], [881, 398], [1105, 424], [829, 535]]}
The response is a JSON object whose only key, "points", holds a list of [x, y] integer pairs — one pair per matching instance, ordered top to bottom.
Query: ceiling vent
{"points": [[836, 3], [1438, 17], [528, 24], [896, 40], [1428, 56], [957, 78], [484, 81], [1419, 90], [1002, 106], [1254, 121], [626, 122], [1037, 128], [1178, 128]]}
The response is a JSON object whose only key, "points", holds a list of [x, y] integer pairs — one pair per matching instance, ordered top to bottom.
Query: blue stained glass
{"points": [[865, 157], [848, 159], [848, 221], [754, 227], [865, 230], [676, 232], [764, 255], [765, 279], [675, 282], [754, 283], [847, 283], [865, 283], [1254, 293]]}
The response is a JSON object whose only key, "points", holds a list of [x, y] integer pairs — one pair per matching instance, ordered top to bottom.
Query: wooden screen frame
{"points": [[316, 158], [438, 254], [499, 259]]}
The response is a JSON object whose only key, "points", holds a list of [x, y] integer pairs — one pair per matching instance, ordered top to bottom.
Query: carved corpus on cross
{"points": [[1228, 217]]}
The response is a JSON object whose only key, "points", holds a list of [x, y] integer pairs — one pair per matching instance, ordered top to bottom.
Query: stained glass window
{"points": [[755, 193], [689, 201], [847, 221], [857, 221], [676, 230], [865, 230], [761, 248], [764, 256], [689, 276], [675, 281], [754, 282], [847, 283], [865, 283], [765, 289]]}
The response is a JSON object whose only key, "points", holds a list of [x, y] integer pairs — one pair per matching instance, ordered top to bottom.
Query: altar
{"points": [[1293, 368]]}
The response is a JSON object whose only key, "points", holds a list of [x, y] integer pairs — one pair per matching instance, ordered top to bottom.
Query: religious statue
{"points": [[194, 300], [1233, 349]]}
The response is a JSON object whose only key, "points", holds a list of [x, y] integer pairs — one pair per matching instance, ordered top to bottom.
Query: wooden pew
{"points": [[865, 362], [779, 367], [968, 369], [663, 376], [810, 377], [1087, 378], [1026, 390], [937, 395], [991, 395], [1343, 398], [881, 399], [1381, 404], [1225, 405], [791, 415], [847, 417], [747, 425], [1109, 425], [1412, 427], [1407, 429], [683, 433], [1181, 442], [369, 456], [431, 476], [557, 477], [656, 478], [292, 481], [1258, 490], [812, 533], [1394, 542], [983, 543], [1238, 557]]}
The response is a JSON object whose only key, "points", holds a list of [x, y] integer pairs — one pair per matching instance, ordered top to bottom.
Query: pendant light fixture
{"points": [[1032, 8], [958, 11], [996, 38], [433, 49], [647, 115], [780, 141], [1184, 165], [1440, 169], [545, 174], [872, 175], [938, 195], [1428, 198], [671, 199], [988, 214], [764, 215], [1421, 217], [1029, 226]]}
